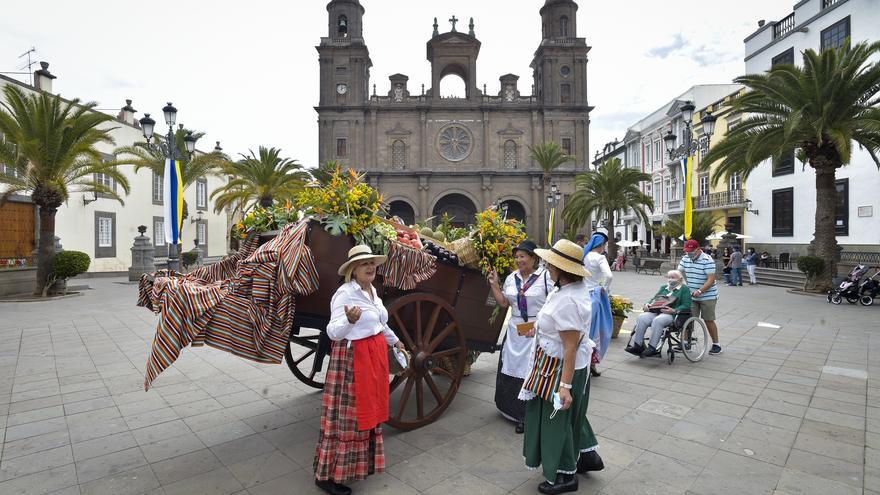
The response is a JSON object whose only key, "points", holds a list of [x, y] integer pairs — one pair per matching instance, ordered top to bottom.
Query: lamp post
{"points": [[690, 146], [169, 150], [553, 198]]}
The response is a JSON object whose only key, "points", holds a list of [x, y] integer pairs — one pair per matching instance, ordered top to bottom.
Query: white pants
{"points": [[751, 269], [657, 322]]}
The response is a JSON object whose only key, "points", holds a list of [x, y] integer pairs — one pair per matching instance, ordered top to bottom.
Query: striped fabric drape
{"points": [[406, 267], [242, 305]]}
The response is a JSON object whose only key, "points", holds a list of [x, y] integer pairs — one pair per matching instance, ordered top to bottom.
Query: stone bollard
{"points": [[142, 252]]}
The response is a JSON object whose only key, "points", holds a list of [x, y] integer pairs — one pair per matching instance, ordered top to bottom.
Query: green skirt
{"points": [[555, 444]]}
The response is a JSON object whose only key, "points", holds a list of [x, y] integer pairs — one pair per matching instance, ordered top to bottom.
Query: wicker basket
{"points": [[465, 250]]}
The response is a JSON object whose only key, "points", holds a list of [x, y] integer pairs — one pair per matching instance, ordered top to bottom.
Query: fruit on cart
{"points": [[441, 253]]}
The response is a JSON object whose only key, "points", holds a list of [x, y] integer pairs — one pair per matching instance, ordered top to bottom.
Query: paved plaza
{"points": [[792, 406]]}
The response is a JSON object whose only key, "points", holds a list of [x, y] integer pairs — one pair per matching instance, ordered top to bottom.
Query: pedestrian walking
{"points": [[751, 261], [725, 263], [735, 265], [699, 273], [598, 280], [525, 291], [355, 400], [558, 436]]}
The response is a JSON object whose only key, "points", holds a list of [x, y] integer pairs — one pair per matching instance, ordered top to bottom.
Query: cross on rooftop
{"points": [[453, 20]]}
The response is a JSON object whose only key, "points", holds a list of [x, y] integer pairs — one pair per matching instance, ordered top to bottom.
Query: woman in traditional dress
{"points": [[599, 279], [525, 290], [355, 401], [562, 442]]}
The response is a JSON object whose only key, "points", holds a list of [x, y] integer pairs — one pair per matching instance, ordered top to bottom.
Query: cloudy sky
{"points": [[246, 73]]}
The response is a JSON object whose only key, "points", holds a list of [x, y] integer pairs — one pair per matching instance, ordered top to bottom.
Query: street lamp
{"points": [[690, 146], [169, 150]]}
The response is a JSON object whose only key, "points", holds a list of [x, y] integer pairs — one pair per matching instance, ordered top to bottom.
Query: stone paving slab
{"points": [[792, 406]]}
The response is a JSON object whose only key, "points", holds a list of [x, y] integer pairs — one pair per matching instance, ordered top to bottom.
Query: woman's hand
{"points": [[493, 278], [645, 308], [668, 311], [353, 314], [400, 345], [565, 395]]}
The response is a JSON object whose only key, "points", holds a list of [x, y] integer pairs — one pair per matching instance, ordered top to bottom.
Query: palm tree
{"points": [[820, 109], [50, 145], [549, 156], [192, 167], [323, 173], [259, 180], [605, 191], [703, 226]]}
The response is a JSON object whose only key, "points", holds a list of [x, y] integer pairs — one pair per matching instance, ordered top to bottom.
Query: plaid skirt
{"points": [[343, 453]]}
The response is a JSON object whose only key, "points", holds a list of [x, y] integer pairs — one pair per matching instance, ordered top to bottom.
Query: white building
{"points": [[645, 150], [784, 193], [102, 227]]}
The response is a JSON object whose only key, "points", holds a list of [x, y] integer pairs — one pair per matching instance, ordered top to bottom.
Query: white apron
{"points": [[515, 354]]}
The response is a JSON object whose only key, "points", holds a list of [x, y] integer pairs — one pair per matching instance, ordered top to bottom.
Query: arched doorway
{"points": [[460, 208], [403, 210], [515, 210]]}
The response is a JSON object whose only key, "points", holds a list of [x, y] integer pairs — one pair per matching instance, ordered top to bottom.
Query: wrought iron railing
{"points": [[828, 3], [783, 27], [723, 199], [860, 257]]}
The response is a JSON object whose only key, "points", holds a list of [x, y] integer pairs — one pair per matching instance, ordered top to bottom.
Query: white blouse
{"points": [[600, 272], [535, 295], [567, 308], [374, 316]]}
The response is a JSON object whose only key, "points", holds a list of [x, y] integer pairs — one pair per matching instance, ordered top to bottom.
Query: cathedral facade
{"points": [[431, 155]]}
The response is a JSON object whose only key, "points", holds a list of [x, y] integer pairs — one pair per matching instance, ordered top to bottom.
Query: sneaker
{"points": [[635, 349], [716, 349], [650, 352]]}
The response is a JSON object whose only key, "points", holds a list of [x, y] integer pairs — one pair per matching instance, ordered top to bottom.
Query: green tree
{"points": [[821, 109], [50, 144], [549, 156], [192, 167], [322, 173], [260, 180], [609, 189], [703, 226]]}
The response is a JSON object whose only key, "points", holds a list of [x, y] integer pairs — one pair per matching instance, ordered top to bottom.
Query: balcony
{"points": [[828, 3], [783, 27], [725, 199], [674, 206]]}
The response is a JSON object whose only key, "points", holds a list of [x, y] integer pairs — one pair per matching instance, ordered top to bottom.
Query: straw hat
{"points": [[359, 253], [565, 255]]}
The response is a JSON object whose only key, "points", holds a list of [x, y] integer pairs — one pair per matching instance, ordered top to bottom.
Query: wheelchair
{"points": [[688, 335]]}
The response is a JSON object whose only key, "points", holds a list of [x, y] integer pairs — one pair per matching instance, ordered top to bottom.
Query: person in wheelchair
{"points": [[672, 300]]}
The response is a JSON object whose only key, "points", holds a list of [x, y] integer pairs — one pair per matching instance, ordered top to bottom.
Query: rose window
{"points": [[455, 143]]}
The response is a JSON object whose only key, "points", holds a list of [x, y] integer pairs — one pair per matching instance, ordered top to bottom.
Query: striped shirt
{"points": [[696, 272]]}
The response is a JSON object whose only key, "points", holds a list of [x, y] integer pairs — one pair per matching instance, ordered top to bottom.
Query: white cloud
{"points": [[247, 72]]}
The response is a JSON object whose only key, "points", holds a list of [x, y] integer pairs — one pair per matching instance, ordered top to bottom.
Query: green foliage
{"points": [[820, 108], [51, 146], [549, 156], [259, 180], [606, 190], [261, 219], [703, 226], [449, 231], [189, 258], [67, 264], [810, 265], [620, 305]]}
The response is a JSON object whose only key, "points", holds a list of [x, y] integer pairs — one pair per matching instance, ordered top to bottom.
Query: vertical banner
{"points": [[173, 189], [688, 200], [550, 227]]}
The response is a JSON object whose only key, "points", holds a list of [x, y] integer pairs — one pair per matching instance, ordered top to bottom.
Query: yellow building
{"points": [[727, 200]]}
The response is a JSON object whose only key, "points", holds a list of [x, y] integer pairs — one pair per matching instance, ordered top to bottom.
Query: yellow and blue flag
{"points": [[687, 165], [173, 188], [550, 227]]}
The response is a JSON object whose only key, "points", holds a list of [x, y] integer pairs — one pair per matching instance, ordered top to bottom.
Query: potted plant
{"points": [[67, 264], [619, 307]]}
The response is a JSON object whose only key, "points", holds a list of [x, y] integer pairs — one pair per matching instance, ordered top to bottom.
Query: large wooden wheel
{"points": [[428, 328], [305, 355]]}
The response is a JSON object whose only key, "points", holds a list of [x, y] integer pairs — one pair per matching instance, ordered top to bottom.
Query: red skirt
{"points": [[344, 452]]}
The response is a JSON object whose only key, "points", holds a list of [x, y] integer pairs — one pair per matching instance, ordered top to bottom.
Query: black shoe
{"points": [[634, 349], [650, 352], [593, 371], [520, 428], [589, 461], [564, 483], [333, 488]]}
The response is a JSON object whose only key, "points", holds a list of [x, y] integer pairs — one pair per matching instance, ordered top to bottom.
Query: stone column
{"points": [[486, 140], [423, 142], [142, 252]]}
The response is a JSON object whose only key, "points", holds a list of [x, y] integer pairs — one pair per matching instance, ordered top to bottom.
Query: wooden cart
{"points": [[443, 317]]}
